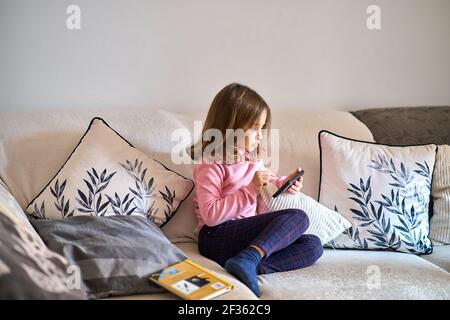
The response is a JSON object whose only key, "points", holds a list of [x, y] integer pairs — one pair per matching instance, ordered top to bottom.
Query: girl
{"points": [[230, 230]]}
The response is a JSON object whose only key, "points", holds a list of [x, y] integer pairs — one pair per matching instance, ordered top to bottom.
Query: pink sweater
{"points": [[225, 192]]}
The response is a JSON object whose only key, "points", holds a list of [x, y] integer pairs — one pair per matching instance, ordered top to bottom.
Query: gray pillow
{"points": [[116, 254]]}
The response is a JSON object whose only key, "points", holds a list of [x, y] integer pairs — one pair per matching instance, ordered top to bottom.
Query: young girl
{"points": [[230, 230]]}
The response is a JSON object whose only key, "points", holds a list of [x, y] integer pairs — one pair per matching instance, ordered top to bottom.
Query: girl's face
{"points": [[253, 135]]}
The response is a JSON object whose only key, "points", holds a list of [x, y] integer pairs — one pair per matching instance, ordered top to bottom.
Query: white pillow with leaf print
{"points": [[105, 175], [384, 191]]}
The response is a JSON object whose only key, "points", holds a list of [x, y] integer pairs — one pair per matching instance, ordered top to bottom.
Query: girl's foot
{"points": [[244, 266]]}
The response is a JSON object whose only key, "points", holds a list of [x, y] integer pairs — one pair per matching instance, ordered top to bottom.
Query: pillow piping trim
{"points": [[81, 140]]}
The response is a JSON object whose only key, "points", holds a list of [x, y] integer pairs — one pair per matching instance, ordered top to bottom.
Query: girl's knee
{"points": [[301, 216], [316, 245]]}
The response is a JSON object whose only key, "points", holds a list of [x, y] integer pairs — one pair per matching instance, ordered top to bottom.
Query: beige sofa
{"points": [[34, 145]]}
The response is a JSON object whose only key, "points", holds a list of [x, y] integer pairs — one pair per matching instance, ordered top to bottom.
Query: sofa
{"points": [[34, 145]]}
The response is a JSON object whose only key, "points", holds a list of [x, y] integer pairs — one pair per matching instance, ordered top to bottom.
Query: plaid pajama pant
{"points": [[280, 234]]}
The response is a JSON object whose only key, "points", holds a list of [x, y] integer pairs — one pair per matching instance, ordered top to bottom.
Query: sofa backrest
{"points": [[408, 125], [34, 145]]}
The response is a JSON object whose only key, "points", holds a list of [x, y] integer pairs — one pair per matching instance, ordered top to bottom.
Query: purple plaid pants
{"points": [[280, 234]]}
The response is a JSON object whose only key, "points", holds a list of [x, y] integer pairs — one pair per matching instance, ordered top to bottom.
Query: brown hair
{"points": [[235, 107]]}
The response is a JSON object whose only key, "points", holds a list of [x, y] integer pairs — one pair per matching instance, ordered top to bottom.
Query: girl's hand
{"points": [[261, 178], [298, 185]]}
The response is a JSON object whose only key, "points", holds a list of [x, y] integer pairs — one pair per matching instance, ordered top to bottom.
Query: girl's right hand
{"points": [[261, 178]]}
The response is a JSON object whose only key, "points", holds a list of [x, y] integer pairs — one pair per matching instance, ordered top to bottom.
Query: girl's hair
{"points": [[235, 107]]}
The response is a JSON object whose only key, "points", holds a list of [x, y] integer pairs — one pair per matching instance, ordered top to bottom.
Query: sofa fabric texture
{"points": [[407, 125]]}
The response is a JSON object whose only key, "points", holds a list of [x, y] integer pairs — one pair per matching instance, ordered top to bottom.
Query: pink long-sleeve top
{"points": [[225, 192]]}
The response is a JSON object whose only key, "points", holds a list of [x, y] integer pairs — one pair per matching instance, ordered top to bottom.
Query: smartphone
{"points": [[288, 184]]}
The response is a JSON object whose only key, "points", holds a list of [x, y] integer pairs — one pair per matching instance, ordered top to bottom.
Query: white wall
{"points": [[177, 54]]}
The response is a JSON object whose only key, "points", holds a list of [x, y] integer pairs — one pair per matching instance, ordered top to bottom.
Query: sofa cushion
{"points": [[407, 125], [105, 175], [383, 191], [440, 220], [115, 254], [440, 257], [337, 275], [360, 275]]}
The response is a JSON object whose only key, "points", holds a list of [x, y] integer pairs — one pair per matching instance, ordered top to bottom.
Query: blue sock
{"points": [[244, 267]]}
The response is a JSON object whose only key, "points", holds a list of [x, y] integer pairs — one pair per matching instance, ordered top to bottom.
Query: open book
{"points": [[189, 281]]}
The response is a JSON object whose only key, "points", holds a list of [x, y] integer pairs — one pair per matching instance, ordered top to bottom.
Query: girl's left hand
{"points": [[298, 185]]}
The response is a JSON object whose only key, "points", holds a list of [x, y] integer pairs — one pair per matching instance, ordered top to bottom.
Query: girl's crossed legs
{"points": [[280, 234]]}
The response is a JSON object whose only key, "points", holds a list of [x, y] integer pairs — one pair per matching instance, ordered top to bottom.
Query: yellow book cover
{"points": [[190, 281]]}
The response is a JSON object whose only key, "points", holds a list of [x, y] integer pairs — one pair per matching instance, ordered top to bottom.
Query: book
{"points": [[190, 281]]}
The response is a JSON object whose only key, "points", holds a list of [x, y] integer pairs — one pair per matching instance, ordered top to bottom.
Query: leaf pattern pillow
{"points": [[105, 175], [384, 191]]}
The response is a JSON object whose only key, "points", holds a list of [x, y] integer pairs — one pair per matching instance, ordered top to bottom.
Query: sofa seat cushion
{"points": [[190, 249], [439, 257], [354, 274]]}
